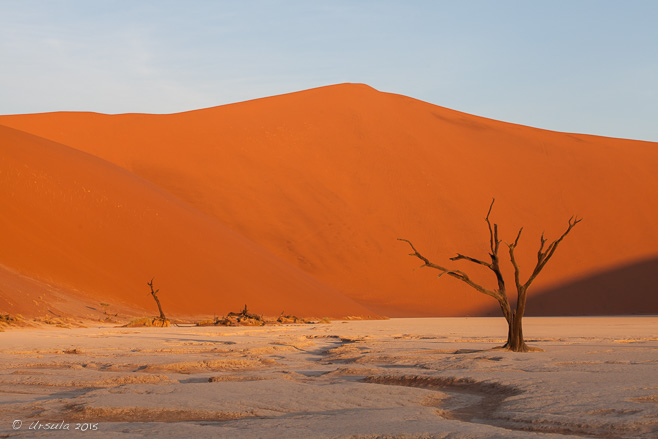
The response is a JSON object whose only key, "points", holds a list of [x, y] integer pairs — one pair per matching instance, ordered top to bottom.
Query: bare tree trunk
{"points": [[157, 301], [514, 319], [515, 342]]}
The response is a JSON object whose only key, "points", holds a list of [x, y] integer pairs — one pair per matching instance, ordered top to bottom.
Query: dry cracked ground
{"points": [[401, 378]]}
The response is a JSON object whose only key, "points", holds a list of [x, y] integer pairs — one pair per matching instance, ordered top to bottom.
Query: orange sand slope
{"points": [[325, 180], [76, 221]]}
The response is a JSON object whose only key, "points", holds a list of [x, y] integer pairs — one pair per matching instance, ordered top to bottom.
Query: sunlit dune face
{"points": [[296, 202], [81, 223]]}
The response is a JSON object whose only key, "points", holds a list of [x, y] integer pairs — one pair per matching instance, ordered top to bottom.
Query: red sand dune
{"points": [[326, 180], [71, 221]]}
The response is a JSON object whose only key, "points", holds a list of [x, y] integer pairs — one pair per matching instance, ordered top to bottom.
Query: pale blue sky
{"points": [[587, 66]]}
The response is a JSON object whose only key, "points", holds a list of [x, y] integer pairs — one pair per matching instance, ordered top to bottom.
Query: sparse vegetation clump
{"points": [[109, 318], [242, 318], [246, 318], [365, 318], [8, 319], [290, 319], [11, 320], [17, 320], [60, 322], [148, 322], [73, 351]]}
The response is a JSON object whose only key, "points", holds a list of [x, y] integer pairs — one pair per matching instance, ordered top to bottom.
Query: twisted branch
{"points": [[494, 245], [543, 256], [457, 274]]}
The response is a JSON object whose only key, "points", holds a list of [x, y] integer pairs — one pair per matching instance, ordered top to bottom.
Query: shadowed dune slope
{"points": [[328, 178], [73, 224], [621, 290], [618, 291]]}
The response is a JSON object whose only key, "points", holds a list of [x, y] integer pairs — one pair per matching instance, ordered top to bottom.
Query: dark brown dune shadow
{"points": [[630, 289]]}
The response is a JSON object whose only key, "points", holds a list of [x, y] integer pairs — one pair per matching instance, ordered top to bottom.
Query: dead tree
{"points": [[154, 293], [246, 315], [513, 317]]}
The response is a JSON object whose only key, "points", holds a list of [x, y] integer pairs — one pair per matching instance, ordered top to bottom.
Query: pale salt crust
{"points": [[401, 378]]}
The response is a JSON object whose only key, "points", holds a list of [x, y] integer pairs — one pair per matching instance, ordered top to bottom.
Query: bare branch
{"points": [[493, 200], [493, 232], [518, 236], [495, 239], [494, 244], [540, 254], [418, 255], [544, 256], [468, 258], [517, 271], [453, 273], [150, 284]]}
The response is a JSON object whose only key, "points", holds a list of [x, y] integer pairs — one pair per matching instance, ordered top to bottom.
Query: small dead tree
{"points": [[154, 293], [245, 314], [513, 317]]}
